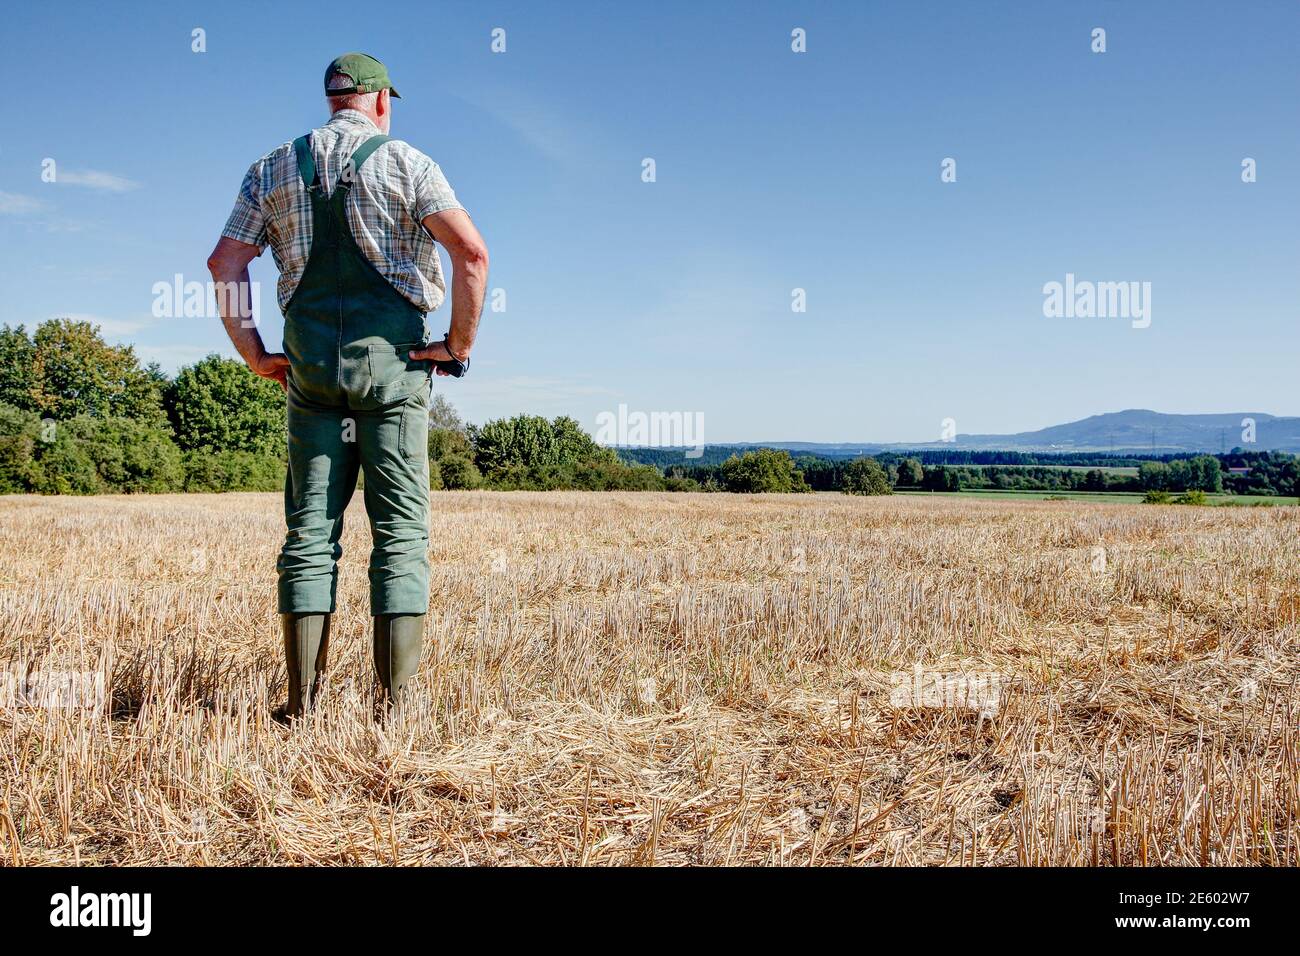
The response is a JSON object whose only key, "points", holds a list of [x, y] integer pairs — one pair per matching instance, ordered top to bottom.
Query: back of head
{"points": [[362, 84], [363, 102]]}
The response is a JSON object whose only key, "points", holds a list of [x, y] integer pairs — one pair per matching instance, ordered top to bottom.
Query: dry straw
{"points": [[666, 679]]}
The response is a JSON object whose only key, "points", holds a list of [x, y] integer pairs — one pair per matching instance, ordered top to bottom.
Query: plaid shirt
{"points": [[398, 186]]}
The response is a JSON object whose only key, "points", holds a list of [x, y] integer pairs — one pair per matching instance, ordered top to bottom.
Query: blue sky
{"points": [[775, 171]]}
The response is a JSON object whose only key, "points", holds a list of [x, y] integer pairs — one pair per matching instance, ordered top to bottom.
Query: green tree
{"points": [[17, 362], [74, 372], [219, 404], [442, 414], [20, 433], [572, 444], [512, 445], [528, 451], [85, 455], [451, 456], [760, 471], [910, 473], [1206, 474], [864, 476], [1153, 476], [942, 478], [1289, 478]]}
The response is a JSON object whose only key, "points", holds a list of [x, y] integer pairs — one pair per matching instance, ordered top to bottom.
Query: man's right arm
{"points": [[241, 242], [229, 267], [469, 268]]}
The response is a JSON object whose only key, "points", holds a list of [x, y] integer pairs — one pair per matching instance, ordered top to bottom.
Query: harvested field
{"points": [[615, 679]]}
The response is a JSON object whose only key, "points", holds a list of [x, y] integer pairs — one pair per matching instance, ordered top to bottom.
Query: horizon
{"points": [[782, 178], [925, 445]]}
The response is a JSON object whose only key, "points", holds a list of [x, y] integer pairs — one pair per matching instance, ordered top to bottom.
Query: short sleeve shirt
{"points": [[396, 188]]}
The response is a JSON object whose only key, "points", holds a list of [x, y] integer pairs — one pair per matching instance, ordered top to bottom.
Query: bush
{"points": [[220, 404], [19, 433], [529, 453], [85, 455], [129, 456], [451, 456], [43, 457], [64, 467], [232, 471], [761, 471], [457, 473], [610, 474], [864, 476], [1156, 497], [1196, 497]]}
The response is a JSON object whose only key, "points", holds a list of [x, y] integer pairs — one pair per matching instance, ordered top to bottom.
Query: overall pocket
{"points": [[393, 373], [413, 430]]}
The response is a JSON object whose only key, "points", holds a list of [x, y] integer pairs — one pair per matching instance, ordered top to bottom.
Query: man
{"points": [[351, 217]]}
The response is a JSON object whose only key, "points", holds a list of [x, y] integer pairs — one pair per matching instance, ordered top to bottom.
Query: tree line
{"points": [[81, 416], [1271, 473]]}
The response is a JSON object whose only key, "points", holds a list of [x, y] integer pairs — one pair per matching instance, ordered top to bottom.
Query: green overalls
{"points": [[355, 400]]}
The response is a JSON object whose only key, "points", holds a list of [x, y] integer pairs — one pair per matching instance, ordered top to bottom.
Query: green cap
{"points": [[367, 74]]}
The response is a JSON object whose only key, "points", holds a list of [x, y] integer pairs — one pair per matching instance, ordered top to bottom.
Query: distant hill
{"points": [[1134, 430], [1142, 430]]}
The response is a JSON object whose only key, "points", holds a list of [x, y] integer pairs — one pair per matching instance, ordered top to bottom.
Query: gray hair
{"points": [[350, 101]]}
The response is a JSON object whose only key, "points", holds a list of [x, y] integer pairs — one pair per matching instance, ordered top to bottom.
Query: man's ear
{"points": [[381, 104]]}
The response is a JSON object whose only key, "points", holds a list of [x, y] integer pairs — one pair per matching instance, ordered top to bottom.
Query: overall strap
{"points": [[364, 150], [306, 164], [339, 197]]}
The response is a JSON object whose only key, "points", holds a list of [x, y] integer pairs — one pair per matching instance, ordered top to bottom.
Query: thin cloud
{"points": [[558, 137], [95, 179], [12, 204], [65, 225], [88, 274], [553, 387], [506, 396]]}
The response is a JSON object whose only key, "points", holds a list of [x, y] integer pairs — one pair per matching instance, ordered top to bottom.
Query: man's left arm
{"points": [[434, 205], [469, 268]]}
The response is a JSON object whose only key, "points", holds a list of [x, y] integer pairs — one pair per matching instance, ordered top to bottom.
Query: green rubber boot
{"points": [[398, 638], [306, 645]]}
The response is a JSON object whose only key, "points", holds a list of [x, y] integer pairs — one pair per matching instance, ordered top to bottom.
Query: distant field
{"points": [[1128, 470], [1127, 497], [642, 678]]}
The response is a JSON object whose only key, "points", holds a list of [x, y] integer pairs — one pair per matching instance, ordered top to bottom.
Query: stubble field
{"points": [[619, 679]]}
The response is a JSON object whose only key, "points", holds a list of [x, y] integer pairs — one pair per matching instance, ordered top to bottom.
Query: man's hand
{"points": [[437, 352], [272, 365]]}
